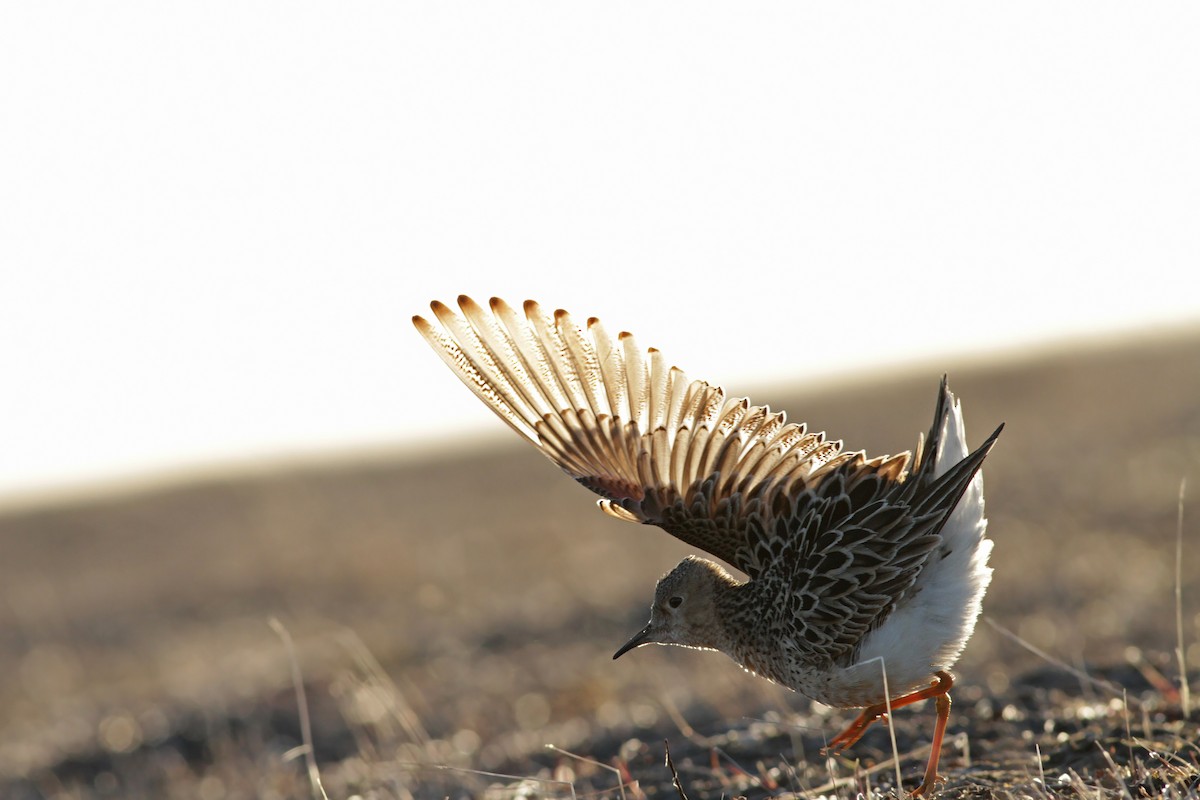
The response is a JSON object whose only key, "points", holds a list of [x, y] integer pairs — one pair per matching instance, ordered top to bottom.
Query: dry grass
{"points": [[454, 616]]}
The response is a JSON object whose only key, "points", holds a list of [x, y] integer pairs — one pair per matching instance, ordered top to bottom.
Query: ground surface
{"points": [[455, 615]]}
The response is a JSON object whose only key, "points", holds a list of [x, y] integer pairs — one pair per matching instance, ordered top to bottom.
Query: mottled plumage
{"points": [[847, 558]]}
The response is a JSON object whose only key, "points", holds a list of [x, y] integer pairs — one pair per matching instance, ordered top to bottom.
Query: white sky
{"points": [[216, 219]]}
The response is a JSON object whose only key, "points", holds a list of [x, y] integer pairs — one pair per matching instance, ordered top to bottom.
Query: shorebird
{"points": [[853, 565]]}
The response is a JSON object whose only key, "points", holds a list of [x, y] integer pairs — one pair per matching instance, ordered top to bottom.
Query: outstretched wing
{"points": [[659, 448], [846, 551]]}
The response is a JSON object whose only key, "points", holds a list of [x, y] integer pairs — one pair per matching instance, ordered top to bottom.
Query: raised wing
{"points": [[659, 448]]}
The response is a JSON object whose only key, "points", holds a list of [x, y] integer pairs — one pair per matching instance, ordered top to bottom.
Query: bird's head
{"points": [[685, 607]]}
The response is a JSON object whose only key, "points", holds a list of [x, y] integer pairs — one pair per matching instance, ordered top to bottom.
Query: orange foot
{"points": [[940, 689]]}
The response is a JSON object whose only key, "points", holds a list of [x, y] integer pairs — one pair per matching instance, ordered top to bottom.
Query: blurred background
{"points": [[215, 225]]}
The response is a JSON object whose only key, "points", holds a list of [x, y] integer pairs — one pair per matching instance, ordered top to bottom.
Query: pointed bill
{"points": [[640, 638]]}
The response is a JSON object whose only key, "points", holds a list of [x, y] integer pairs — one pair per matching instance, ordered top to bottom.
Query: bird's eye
{"points": [[675, 602]]}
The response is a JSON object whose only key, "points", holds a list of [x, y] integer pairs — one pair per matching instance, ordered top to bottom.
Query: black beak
{"points": [[640, 638]]}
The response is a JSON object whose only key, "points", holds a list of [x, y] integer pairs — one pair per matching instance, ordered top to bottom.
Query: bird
{"points": [[860, 573]]}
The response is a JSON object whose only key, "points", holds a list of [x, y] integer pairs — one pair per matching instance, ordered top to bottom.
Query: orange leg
{"points": [[940, 688], [939, 730]]}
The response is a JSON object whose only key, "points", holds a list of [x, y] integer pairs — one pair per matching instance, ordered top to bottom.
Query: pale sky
{"points": [[216, 219]]}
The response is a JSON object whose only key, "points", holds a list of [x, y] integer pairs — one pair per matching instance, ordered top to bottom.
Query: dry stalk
{"points": [[1185, 694], [310, 759]]}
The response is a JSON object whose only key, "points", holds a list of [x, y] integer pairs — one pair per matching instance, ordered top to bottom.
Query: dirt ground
{"points": [[456, 613]]}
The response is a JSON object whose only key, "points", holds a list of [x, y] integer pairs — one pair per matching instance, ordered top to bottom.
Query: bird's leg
{"points": [[939, 688], [855, 730], [939, 730]]}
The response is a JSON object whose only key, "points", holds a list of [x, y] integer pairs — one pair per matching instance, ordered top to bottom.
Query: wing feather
{"points": [[531, 355], [505, 364], [612, 367], [635, 370], [721, 474]]}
